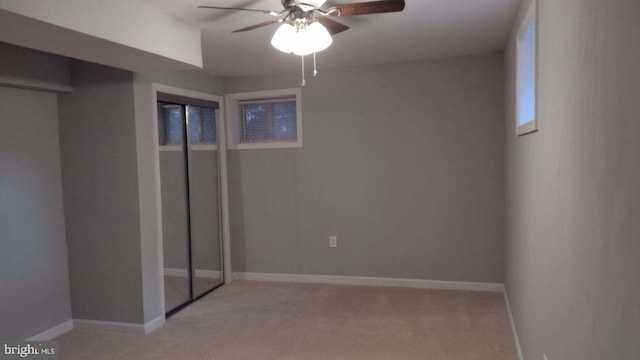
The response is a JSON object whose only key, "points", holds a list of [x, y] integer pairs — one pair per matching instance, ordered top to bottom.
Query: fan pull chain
{"points": [[315, 68], [304, 82]]}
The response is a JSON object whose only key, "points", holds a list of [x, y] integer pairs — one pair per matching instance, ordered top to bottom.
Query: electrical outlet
{"points": [[333, 241]]}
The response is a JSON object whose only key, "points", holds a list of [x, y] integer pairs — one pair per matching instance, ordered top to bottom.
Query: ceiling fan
{"points": [[307, 26]]}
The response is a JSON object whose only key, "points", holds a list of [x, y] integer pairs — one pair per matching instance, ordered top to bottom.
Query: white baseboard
{"points": [[175, 272], [207, 274], [370, 281], [154, 324], [69, 325], [513, 325], [128, 328], [53, 332]]}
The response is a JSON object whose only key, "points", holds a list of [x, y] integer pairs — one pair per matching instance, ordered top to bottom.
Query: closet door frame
{"points": [[223, 187]]}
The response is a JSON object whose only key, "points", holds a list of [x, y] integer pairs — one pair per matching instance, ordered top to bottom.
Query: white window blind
{"points": [[268, 120], [202, 125], [170, 127]]}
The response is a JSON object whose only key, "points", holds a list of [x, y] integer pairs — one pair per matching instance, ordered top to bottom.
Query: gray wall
{"points": [[26, 68], [195, 80], [98, 143], [403, 162], [573, 189], [110, 200], [149, 206], [33, 261]]}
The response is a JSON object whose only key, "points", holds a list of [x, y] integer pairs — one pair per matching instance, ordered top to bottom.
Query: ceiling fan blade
{"points": [[365, 8], [273, 13], [256, 26], [332, 26]]}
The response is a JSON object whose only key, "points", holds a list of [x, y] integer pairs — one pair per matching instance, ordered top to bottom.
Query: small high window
{"points": [[264, 120], [526, 121]]}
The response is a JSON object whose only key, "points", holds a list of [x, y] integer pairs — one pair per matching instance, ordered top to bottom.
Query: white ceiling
{"points": [[425, 29]]}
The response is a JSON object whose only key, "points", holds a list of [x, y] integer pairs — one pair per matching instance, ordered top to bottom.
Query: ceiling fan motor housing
{"points": [[305, 6]]}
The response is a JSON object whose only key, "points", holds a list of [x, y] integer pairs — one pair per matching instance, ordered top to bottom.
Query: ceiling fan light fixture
{"points": [[304, 23], [318, 36], [285, 38], [301, 39], [303, 45]]}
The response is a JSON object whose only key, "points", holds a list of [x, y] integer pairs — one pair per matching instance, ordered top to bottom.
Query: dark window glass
{"points": [[268, 121]]}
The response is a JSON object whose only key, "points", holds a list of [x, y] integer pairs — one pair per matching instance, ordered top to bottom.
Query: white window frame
{"points": [[530, 17], [233, 119]]}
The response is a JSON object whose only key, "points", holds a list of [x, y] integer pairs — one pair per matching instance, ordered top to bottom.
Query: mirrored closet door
{"points": [[189, 178]]}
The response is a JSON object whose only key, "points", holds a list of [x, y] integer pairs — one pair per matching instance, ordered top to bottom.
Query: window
{"points": [[526, 73], [265, 119], [171, 123], [202, 125]]}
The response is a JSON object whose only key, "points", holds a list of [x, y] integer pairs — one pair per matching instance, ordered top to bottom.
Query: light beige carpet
{"points": [[257, 320]]}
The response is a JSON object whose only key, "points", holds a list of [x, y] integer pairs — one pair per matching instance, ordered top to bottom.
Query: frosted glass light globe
{"points": [[318, 36], [284, 38], [303, 44]]}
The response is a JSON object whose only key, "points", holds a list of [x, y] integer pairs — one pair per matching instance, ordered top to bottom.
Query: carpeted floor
{"points": [[256, 320]]}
